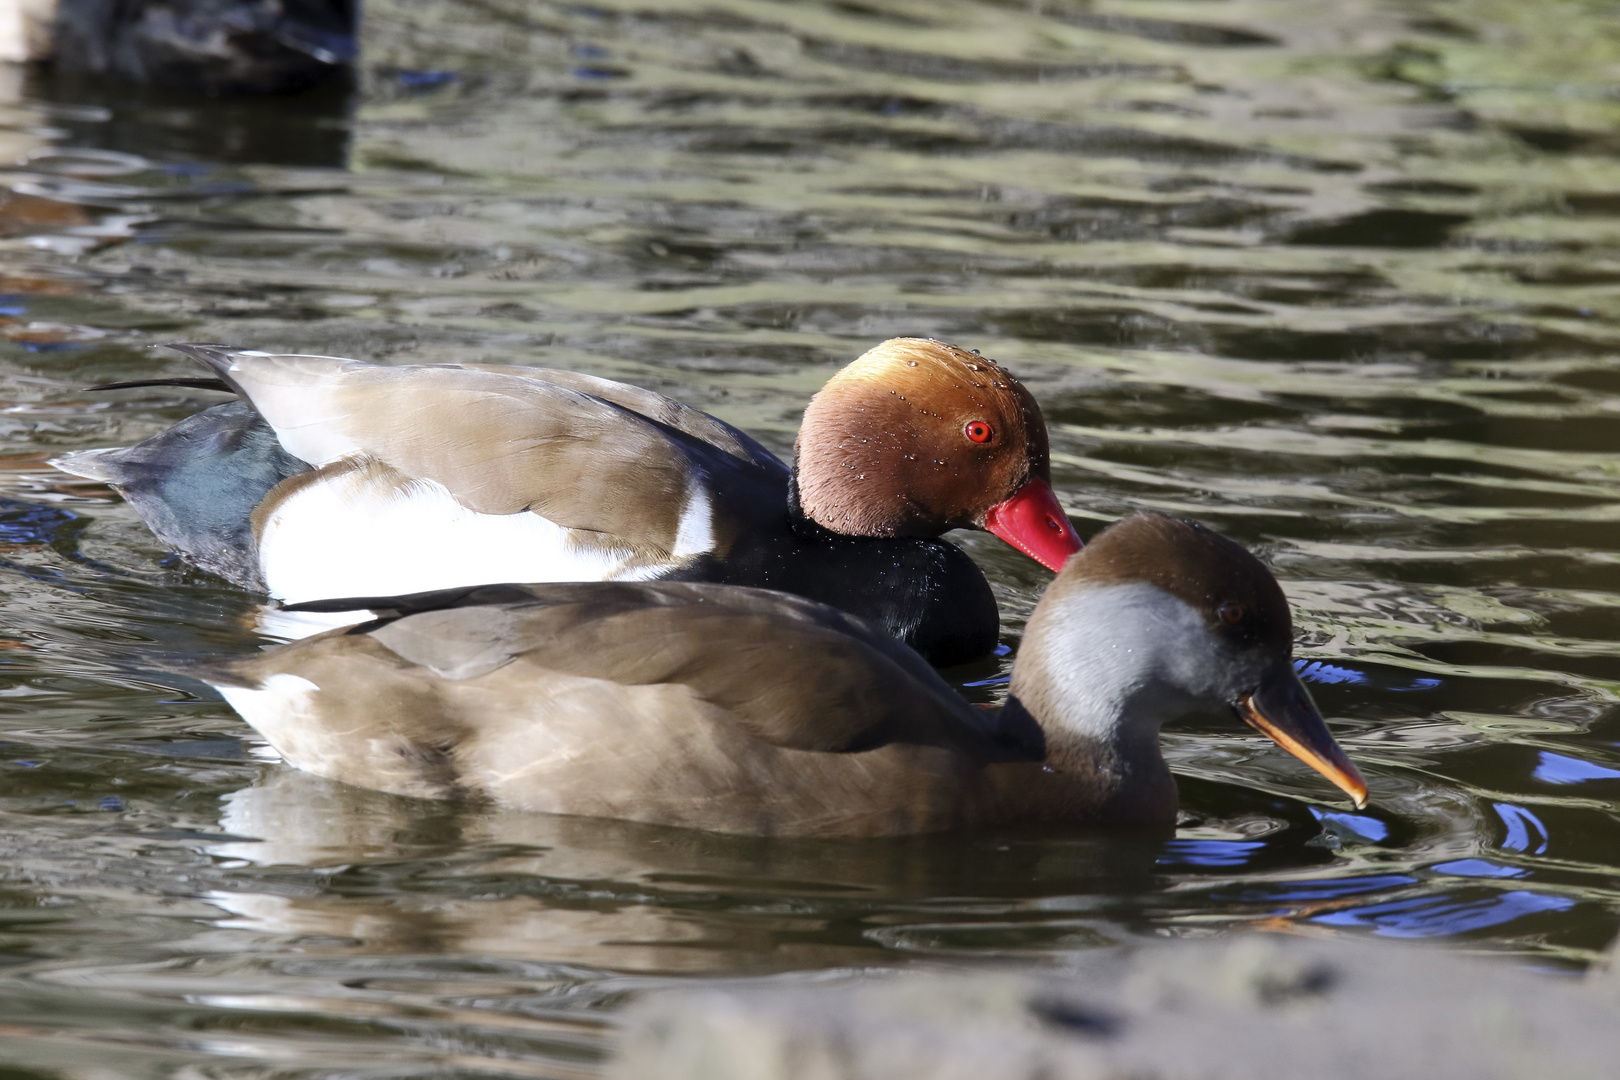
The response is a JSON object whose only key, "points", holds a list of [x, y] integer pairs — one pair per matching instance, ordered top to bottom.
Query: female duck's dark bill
{"points": [[1034, 522], [1282, 709]]}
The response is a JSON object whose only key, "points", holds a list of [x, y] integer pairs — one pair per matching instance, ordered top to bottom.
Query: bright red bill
{"points": [[1033, 522]]}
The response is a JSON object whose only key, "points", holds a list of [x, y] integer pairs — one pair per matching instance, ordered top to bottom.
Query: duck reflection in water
{"points": [[386, 875]]}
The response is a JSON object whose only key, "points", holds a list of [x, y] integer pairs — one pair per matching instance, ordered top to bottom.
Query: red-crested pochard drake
{"points": [[335, 478], [746, 711]]}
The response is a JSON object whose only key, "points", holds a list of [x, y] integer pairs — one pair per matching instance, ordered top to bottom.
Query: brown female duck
{"points": [[333, 478], [745, 711]]}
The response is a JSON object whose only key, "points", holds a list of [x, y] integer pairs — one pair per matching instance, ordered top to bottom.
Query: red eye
{"points": [[978, 431], [1231, 614]]}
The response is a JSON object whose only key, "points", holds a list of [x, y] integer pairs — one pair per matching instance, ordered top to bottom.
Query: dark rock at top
{"points": [[215, 47]]}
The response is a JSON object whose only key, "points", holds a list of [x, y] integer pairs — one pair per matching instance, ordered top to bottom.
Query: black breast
{"points": [[927, 593]]}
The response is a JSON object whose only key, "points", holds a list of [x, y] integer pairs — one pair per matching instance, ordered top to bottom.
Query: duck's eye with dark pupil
{"points": [[978, 431], [1231, 614]]}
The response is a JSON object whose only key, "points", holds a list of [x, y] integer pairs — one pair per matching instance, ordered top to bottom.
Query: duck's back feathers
{"points": [[665, 412], [445, 421], [431, 475], [794, 673], [664, 702]]}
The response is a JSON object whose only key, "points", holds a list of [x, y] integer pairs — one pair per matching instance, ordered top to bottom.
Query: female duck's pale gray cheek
{"points": [[1142, 636], [1126, 640], [1201, 665]]}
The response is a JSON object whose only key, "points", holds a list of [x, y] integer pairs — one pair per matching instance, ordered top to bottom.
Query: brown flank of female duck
{"points": [[746, 711]]}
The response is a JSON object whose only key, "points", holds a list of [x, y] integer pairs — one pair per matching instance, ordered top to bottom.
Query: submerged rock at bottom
{"points": [[1250, 1008]]}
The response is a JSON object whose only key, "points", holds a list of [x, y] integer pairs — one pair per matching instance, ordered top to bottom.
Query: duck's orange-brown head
{"points": [[917, 437]]}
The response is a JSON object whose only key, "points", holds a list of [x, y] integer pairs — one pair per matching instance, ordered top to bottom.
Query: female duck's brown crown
{"points": [[914, 438], [1219, 578]]}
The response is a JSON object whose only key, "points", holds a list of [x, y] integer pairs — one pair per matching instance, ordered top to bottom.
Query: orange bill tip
{"points": [[1308, 740]]}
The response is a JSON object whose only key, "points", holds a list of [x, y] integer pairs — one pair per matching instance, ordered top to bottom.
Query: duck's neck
{"points": [[871, 517], [804, 526], [928, 593], [1101, 697], [1117, 777]]}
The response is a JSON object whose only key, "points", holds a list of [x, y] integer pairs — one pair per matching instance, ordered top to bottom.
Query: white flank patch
{"points": [[695, 534], [355, 536], [279, 625], [280, 700]]}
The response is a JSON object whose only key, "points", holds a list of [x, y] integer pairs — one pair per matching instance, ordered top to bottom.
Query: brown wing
{"points": [[661, 410], [584, 453], [793, 673]]}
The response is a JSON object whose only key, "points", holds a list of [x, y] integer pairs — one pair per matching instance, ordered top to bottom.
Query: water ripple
{"points": [[1339, 281]]}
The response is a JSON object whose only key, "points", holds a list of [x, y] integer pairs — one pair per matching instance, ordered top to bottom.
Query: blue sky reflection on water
{"points": [[1563, 769], [1525, 832], [1482, 868], [1442, 916]]}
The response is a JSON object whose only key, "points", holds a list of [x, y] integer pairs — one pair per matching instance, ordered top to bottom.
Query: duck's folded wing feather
{"points": [[236, 370], [655, 407], [584, 453], [793, 673]]}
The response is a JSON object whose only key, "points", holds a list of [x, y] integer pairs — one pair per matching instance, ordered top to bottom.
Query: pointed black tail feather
{"points": [[211, 355], [214, 357], [191, 384], [415, 603]]}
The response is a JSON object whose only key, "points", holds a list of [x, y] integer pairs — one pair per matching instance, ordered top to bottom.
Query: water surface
{"points": [[1338, 279]]}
